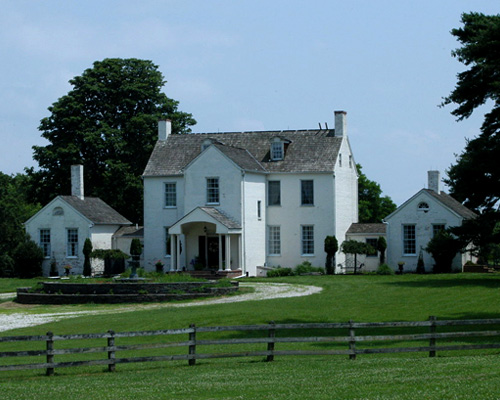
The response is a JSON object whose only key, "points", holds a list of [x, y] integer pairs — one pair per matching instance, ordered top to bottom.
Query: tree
{"points": [[108, 123], [475, 178], [372, 206], [15, 209], [331, 247], [354, 247], [443, 247], [87, 250], [28, 258]]}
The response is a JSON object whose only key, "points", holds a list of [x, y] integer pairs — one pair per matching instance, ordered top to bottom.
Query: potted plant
{"points": [[401, 264], [159, 266], [67, 268]]}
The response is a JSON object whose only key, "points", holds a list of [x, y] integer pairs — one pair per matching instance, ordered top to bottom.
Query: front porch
{"points": [[206, 242]]}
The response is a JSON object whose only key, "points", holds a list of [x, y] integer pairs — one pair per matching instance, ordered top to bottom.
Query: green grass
{"points": [[360, 298]]}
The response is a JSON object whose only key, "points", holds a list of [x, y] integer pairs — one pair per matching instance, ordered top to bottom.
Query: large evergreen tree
{"points": [[108, 123], [475, 178]]}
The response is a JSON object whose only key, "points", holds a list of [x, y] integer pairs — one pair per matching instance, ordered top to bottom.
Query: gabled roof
{"points": [[309, 151], [445, 199], [96, 210], [221, 217], [361, 228], [130, 231]]}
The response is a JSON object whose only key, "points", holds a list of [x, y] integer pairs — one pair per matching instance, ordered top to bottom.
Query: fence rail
{"points": [[273, 335]]}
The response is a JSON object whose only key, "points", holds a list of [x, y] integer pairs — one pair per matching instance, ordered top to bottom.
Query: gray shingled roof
{"points": [[308, 151], [453, 204], [96, 210], [220, 216], [367, 228], [130, 231]]}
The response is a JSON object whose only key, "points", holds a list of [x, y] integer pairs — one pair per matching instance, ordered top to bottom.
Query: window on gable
{"points": [[277, 151], [340, 159], [350, 161], [213, 191], [307, 192], [274, 193], [170, 194], [423, 206], [307, 239], [409, 240], [45, 242], [372, 242], [72, 243], [274, 243]]}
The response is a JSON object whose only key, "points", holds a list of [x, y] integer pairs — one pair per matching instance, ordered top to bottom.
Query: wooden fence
{"points": [[335, 339]]}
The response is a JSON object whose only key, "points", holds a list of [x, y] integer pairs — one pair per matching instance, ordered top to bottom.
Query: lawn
{"points": [[360, 298]]}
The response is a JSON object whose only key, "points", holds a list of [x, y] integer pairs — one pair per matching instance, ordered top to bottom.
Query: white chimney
{"points": [[340, 123], [164, 129], [433, 180], [77, 181]]}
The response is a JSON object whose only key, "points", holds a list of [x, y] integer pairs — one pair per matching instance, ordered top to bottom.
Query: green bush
{"points": [[28, 258], [6, 266], [306, 268], [384, 269], [277, 272]]}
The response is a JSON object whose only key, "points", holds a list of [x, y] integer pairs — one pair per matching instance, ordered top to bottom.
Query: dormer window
{"points": [[277, 152]]}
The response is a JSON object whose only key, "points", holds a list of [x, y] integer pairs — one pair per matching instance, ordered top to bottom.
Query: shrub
{"points": [[331, 247], [443, 247], [87, 250], [28, 258], [420, 264], [6, 266], [306, 268], [384, 269], [274, 273]]}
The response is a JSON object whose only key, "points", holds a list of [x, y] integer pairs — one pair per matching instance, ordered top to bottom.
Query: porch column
{"points": [[220, 252], [178, 253], [228, 253], [240, 253], [173, 255]]}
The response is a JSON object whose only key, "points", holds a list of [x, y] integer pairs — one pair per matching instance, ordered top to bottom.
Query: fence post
{"points": [[432, 340], [352, 341], [270, 343], [192, 347], [111, 353], [50, 354]]}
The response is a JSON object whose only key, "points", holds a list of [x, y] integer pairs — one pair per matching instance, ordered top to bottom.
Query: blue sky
{"points": [[256, 65]]}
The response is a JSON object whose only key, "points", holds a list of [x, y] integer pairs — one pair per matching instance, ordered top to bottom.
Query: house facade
{"points": [[243, 201], [413, 224], [61, 227], [369, 234]]}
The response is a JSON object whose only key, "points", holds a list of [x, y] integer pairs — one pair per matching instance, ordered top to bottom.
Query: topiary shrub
{"points": [[87, 250], [420, 264], [6, 266], [384, 269]]}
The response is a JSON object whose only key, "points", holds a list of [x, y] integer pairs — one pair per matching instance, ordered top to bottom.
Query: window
{"points": [[206, 144], [277, 151], [340, 159], [350, 161], [213, 190], [274, 193], [307, 193], [170, 194], [423, 206], [259, 209], [57, 211], [436, 228], [307, 239], [409, 240], [274, 241], [45, 242], [167, 242], [72, 243], [373, 243]]}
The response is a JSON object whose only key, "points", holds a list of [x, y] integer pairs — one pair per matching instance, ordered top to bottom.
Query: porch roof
{"points": [[224, 223]]}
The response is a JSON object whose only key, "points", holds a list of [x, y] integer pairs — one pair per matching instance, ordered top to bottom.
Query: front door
{"points": [[209, 251]]}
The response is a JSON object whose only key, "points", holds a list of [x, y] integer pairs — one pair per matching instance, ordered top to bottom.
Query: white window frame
{"points": [[277, 151], [213, 190], [170, 194], [303, 195], [436, 228], [408, 238], [274, 240], [307, 240], [44, 243], [71, 244]]}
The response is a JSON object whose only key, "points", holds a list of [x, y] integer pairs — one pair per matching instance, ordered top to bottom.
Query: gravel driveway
{"points": [[263, 291]]}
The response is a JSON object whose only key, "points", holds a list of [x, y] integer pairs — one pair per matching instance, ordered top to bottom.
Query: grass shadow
{"points": [[485, 282]]}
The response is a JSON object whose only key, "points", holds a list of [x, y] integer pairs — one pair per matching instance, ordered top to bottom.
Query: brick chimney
{"points": [[340, 123], [164, 129], [433, 180], [77, 181]]}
